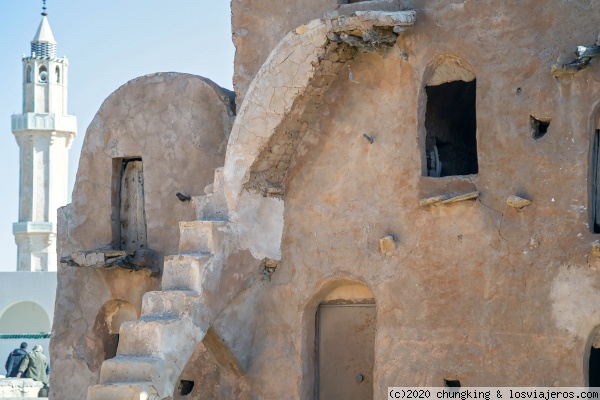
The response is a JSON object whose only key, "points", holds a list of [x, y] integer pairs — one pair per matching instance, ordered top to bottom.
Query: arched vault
{"points": [[285, 92]]}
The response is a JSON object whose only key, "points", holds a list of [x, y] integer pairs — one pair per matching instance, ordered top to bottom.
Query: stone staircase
{"points": [[154, 349]]}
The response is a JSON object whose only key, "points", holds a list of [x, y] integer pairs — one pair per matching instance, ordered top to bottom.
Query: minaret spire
{"points": [[44, 132]]}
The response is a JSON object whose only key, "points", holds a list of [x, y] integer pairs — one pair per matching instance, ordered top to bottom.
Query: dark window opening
{"points": [[43, 74], [451, 125], [539, 126], [595, 225], [110, 345], [594, 368], [452, 383], [185, 387]]}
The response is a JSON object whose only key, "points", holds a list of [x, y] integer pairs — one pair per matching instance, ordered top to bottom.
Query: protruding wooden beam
{"points": [[591, 51]]}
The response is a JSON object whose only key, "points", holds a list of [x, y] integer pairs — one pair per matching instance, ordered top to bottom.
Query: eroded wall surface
{"points": [[258, 26], [178, 124], [477, 291]]}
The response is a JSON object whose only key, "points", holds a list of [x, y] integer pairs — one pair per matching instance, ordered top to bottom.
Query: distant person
{"points": [[14, 361], [36, 364]]}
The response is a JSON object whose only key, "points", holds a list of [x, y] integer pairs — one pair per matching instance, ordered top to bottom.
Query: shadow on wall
{"points": [[108, 321]]}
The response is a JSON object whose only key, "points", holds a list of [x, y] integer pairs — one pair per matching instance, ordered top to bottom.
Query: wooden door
{"points": [[596, 183], [132, 214], [346, 351]]}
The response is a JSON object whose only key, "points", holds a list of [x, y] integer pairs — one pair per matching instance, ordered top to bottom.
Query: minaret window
{"points": [[43, 74], [57, 74], [28, 78]]}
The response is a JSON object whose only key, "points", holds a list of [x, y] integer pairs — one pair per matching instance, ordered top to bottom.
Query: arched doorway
{"points": [[25, 317], [108, 322], [345, 343]]}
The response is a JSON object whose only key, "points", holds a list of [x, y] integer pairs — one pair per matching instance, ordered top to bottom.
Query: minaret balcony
{"points": [[39, 122], [34, 227]]}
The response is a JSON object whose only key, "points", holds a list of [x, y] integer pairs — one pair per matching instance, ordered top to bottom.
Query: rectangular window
{"points": [[451, 125], [129, 216], [595, 226]]}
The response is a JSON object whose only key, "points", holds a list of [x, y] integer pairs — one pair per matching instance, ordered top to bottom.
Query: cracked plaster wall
{"points": [[258, 26], [179, 125], [476, 291]]}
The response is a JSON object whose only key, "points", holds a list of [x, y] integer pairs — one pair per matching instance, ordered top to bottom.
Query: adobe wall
{"points": [[258, 26], [179, 125], [476, 290]]}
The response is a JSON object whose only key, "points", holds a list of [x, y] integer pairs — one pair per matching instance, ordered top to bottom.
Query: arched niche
{"points": [[28, 74], [43, 74], [57, 74], [448, 111], [25, 317], [331, 318], [108, 322]]}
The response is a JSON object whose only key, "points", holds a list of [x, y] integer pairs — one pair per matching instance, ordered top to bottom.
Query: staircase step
{"points": [[210, 207], [201, 236], [185, 271], [175, 303], [148, 336], [130, 369], [121, 391]]}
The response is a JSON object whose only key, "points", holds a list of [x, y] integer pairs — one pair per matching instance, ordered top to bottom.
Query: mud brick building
{"points": [[398, 193]]}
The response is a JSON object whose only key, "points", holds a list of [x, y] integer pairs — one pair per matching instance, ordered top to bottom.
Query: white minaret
{"points": [[44, 133]]}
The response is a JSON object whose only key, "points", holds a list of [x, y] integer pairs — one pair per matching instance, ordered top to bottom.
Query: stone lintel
{"points": [[365, 20], [364, 28], [446, 199], [135, 260]]}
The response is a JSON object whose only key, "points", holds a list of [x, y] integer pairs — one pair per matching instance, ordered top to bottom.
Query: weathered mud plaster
{"points": [[258, 26], [302, 65], [178, 124], [476, 281], [475, 290]]}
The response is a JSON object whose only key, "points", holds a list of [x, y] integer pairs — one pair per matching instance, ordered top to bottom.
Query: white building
{"points": [[44, 132]]}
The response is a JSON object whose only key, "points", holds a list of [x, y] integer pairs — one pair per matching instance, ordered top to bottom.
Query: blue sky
{"points": [[107, 43]]}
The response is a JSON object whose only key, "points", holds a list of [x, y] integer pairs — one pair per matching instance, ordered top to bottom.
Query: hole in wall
{"points": [[451, 125], [539, 126], [595, 206], [108, 323], [110, 345], [594, 367], [452, 383], [185, 387]]}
